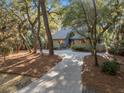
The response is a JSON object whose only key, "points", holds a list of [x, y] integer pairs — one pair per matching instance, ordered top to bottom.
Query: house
{"points": [[66, 37]]}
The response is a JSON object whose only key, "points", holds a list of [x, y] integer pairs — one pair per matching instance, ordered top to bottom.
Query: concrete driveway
{"points": [[65, 77]]}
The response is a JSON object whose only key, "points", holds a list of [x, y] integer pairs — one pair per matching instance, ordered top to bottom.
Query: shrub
{"points": [[56, 47], [81, 48], [86, 48], [100, 48], [112, 50], [117, 50], [5, 51], [120, 51], [110, 67]]}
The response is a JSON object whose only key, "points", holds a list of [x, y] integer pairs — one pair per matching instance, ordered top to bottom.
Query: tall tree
{"points": [[97, 15], [32, 23], [46, 24], [39, 25]]}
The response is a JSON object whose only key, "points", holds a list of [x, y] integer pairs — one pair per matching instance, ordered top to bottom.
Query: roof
{"points": [[62, 34], [77, 37]]}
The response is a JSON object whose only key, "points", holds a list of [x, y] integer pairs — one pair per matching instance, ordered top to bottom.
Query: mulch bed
{"points": [[24, 63], [94, 78]]}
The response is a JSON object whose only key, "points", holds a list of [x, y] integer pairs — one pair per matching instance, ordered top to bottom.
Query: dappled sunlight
{"points": [[20, 55], [66, 56], [107, 56], [73, 57], [78, 61], [28, 64], [22, 65], [85, 68], [52, 74], [65, 75], [61, 78], [9, 82], [49, 84], [51, 91]]}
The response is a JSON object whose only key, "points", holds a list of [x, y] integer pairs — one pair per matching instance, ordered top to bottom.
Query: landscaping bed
{"points": [[34, 65], [94, 78]]}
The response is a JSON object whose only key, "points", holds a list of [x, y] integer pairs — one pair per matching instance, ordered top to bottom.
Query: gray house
{"points": [[66, 37]]}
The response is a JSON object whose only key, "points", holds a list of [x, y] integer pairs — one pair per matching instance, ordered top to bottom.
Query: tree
{"points": [[97, 15], [22, 22], [32, 24], [46, 24], [39, 25]]}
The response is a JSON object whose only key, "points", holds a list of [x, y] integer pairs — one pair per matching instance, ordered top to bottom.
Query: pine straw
{"points": [[24, 63], [93, 78]]}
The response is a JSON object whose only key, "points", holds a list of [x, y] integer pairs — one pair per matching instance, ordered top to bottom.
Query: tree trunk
{"points": [[46, 24], [39, 25], [34, 33], [95, 33], [24, 40], [35, 40], [40, 44], [18, 46], [95, 57], [4, 58]]}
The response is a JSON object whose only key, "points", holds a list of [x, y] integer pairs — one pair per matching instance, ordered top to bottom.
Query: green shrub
{"points": [[56, 47], [81, 48], [100, 48], [112, 50], [117, 50], [5, 51], [120, 51], [110, 67]]}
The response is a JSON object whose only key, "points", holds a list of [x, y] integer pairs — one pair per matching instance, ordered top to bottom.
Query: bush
{"points": [[55, 47], [81, 48], [87, 48], [100, 48], [112, 50], [117, 50], [5, 51], [120, 51], [110, 67]]}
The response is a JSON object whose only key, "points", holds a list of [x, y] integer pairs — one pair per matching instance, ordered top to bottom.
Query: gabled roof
{"points": [[62, 34], [77, 37]]}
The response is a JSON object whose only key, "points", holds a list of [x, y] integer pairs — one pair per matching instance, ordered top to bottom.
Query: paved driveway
{"points": [[65, 77]]}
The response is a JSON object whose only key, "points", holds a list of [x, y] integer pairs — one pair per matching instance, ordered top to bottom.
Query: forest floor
{"points": [[22, 68], [94, 78]]}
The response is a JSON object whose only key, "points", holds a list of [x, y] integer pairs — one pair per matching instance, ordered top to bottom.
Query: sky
{"points": [[64, 2]]}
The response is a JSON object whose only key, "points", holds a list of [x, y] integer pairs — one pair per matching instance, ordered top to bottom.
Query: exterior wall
{"points": [[80, 42], [58, 43], [61, 43]]}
